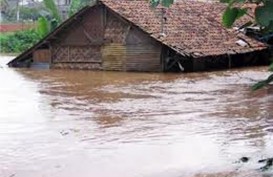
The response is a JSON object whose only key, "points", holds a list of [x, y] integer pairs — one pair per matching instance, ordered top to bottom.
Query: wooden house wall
{"points": [[102, 40], [79, 46], [127, 48], [114, 49], [143, 52], [41, 56]]}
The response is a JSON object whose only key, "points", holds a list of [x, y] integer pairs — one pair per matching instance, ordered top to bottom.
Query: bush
{"points": [[18, 41]]}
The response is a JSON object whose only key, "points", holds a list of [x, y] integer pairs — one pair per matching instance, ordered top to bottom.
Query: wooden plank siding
{"points": [[105, 41], [127, 48], [114, 49], [143, 52], [42, 56], [114, 57], [118, 57], [143, 58]]}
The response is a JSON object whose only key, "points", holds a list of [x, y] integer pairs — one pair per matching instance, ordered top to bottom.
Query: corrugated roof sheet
{"points": [[191, 28]]}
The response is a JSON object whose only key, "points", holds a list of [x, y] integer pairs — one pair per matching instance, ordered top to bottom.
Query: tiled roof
{"points": [[191, 28]]}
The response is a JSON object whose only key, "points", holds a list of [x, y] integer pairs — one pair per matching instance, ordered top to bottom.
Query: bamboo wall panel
{"points": [[88, 30], [115, 31], [82, 41], [109, 41], [114, 50], [60, 53], [77, 54], [84, 54], [87, 66]]}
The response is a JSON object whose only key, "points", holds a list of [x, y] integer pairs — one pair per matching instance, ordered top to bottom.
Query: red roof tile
{"points": [[191, 28]]}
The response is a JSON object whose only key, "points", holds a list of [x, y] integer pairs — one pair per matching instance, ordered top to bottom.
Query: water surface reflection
{"points": [[61, 123]]}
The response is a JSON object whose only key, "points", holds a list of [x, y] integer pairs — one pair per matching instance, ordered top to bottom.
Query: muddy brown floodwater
{"points": [[62, 123]]}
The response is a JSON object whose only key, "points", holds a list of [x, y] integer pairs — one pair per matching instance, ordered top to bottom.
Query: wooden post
{"points": [[104, 17], [51, 53], [69, 53], [162, 60], [229, 61]]}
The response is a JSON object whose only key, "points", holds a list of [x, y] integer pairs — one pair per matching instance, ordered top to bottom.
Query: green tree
{"points": [[165, 3], [76, 5], [53, 9], [27, 13], [263, 13], [50, 21], [43, 27], [19, 41]]}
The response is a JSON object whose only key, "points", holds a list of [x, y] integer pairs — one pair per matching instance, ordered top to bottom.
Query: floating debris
{"points": [[64, 133], [244, 159], [268, 163]]}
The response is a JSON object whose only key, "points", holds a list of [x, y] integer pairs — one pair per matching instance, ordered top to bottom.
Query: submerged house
{"points": [[128, 35]]}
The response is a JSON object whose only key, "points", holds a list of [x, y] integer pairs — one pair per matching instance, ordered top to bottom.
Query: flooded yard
{"points": [[63, 123]]}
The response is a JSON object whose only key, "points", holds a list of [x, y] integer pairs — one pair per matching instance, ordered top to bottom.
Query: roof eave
{"points": [[44, 40]]}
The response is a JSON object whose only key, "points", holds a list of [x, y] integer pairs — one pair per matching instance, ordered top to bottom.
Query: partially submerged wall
{"points": [[98, 38], [101, 40], [79, 45], [127, 48], [231, 61]]}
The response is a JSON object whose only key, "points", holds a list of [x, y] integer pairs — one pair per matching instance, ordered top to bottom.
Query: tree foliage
{"points": [[165, 3], [76, 5], [52, 7], [263, 13], [231, 14], [54, 18], [48, 21], [43, 26], [19, 41]]}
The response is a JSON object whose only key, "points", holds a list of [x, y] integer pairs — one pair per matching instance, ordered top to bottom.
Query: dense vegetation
{"points": [[47, 17], [17, 42]]}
